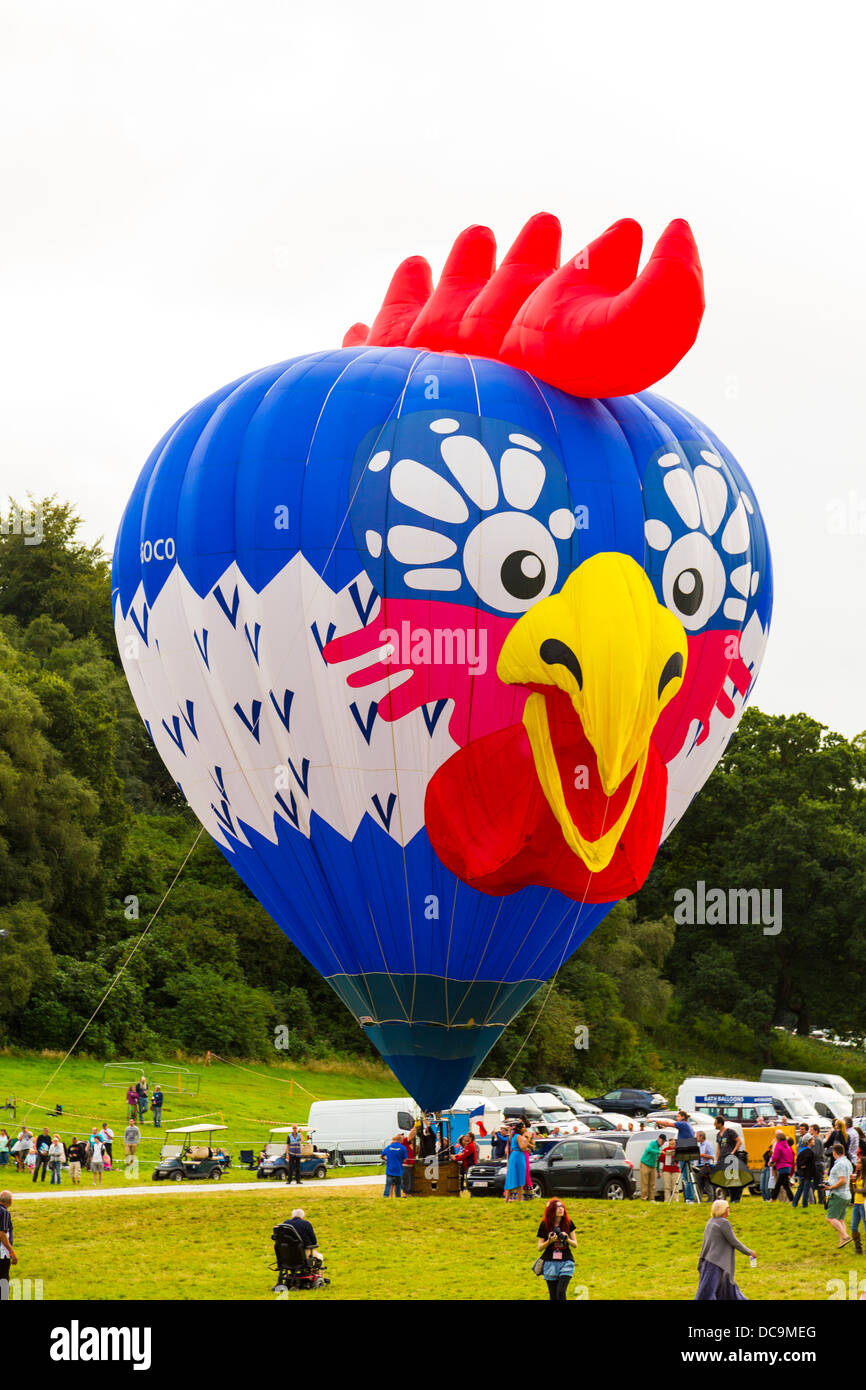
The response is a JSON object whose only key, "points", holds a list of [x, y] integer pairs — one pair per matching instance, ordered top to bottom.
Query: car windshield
{"points": [[571, 1097], [798, 1106], [274, 1149]]}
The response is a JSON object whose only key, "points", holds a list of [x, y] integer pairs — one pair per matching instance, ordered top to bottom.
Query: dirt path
{"points": [[160, 1189]]}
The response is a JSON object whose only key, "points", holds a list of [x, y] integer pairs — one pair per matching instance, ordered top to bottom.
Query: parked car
{"points": [[572, 1098], [629, 1101], [524, 1108], [555, 1113], [276, 1165], [578, 1167]]}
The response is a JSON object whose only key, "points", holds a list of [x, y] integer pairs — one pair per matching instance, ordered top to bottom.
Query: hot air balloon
{"points": [[440, 632]]}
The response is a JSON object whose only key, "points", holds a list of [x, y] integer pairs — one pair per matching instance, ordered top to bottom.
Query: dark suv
{"points": [[630, 1102], [583, 1167]]}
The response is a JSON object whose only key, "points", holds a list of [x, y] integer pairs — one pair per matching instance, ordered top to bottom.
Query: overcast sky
{"points": [[193, 190]]}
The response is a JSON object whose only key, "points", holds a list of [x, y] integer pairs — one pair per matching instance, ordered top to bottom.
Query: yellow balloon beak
{"points": [[618, 654]]}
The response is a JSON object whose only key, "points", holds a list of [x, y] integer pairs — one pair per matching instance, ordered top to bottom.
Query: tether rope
{"points": [[62, 1064]]}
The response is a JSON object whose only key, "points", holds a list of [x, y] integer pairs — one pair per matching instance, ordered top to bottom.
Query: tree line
{"points": [[93, 829]]}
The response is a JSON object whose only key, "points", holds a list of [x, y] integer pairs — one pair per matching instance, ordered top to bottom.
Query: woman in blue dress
{"points": [[515, 1174]]}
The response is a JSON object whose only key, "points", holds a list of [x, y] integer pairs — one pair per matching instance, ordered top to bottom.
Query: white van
{"points": [[808, 1078], [493, 1086], [752, 1101], [829, 1104], [356, 1131]]}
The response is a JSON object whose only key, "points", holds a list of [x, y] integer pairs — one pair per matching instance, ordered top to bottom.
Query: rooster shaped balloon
{"points": [[440, 633]]}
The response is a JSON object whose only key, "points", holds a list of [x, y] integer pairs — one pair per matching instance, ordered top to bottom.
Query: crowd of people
{"points": [[422, 1143], [48, 1152]]}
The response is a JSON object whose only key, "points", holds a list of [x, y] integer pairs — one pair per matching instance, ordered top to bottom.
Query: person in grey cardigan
{"points": [[716, 1261]]}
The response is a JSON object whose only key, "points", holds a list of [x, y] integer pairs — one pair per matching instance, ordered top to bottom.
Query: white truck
{"points": [[356, 1131]]}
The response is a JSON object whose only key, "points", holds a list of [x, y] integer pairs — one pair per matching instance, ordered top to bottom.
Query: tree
{"points": [[784, 810]]}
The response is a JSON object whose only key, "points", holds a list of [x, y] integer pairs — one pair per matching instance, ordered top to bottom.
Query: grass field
{"points": [[248, 1098], [190, 1244], [218, 1247]]}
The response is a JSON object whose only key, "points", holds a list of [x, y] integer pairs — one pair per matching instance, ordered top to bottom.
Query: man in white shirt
{"points": [[839, 1193]]}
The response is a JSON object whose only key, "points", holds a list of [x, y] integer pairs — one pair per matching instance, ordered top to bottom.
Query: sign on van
{"points": [[734, 1100]]}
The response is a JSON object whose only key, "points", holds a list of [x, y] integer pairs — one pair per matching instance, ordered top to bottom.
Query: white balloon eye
{"points": [[511, 561], [693, 580]]}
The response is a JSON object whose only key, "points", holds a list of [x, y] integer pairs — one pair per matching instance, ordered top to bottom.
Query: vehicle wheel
{"points": [[640, 1114], [320, 1171], [215, 1173], [177, 1177], [538, 1188], [615, 1190], [319, 1283]]}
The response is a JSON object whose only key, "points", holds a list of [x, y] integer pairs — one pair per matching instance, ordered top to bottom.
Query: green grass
{"points": [[248, 1098], [218, 1246]]}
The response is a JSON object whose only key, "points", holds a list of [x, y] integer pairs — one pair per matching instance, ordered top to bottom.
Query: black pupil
{"points": [[522, 579], [689, 600]]}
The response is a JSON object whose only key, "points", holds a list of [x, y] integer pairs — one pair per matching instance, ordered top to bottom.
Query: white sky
{"points": [[192, 190]]}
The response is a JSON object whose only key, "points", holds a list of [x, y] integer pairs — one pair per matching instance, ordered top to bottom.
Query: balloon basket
{"points": [[443, 1180]]}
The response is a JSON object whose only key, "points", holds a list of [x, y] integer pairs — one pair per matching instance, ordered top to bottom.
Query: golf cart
{"points": [[193, 1154], [276, 1165]]}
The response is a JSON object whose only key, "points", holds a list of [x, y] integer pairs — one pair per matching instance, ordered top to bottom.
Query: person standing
{"points": [[141, 1094], [131, 1102], [156, 1105], [106, 1134], [852, 1138], [131, 1139], [499, 1143], [43, 1144], [728, 1146], [21, 1147], [4, 1148], [818, 1149], [293, 1154], [77, 1155], [394, 1156], [56, 1158], [97, 1158], [468, 1158], [409, 1160], [782, 1161], [649, 1162], [706, 1163], [670, 1171], [805, 1171], [515, 1173], [839, 1193], [858, 1210], [556, 1246], [8, 1257], [716, 1262]]}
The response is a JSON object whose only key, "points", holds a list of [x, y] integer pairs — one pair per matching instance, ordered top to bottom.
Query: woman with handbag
{"points": [[782, 1161], [556, 1246], [716, 1262]]}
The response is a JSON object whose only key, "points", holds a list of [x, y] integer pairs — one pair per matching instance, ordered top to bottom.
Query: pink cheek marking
{"points": [[451, 651], [712, 658]]}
